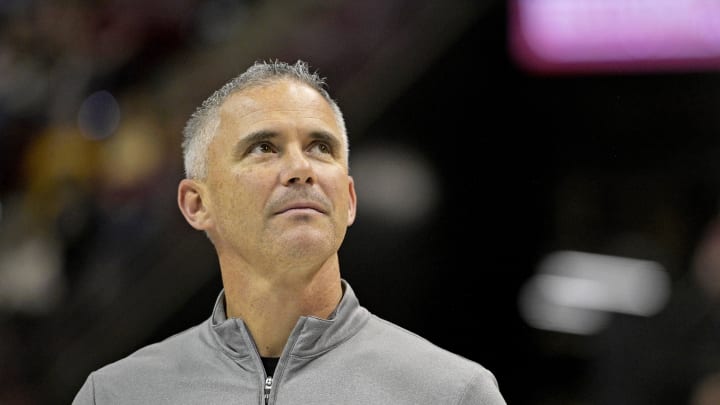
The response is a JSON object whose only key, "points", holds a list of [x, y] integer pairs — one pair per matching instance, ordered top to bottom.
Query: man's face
{"points": [[278, 186]]}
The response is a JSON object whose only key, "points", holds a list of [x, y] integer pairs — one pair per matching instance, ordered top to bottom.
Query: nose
{"points": [[297, 168]]}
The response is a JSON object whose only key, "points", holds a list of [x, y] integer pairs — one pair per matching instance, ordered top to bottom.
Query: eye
{"points": [[321, 147], [262, 148]]}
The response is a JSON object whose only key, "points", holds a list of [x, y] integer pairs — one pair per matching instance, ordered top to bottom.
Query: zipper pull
{"points": [[268, 386]]}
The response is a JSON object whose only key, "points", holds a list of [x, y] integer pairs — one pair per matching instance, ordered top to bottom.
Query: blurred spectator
{"points": [[91, 208]]}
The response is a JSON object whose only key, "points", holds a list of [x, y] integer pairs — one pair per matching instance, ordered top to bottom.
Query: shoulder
{"points": [[399, 339], [401, 344], [170, 357], [422, 364], [188, 367]]}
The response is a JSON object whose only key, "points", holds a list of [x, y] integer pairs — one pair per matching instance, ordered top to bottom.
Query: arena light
{"points": [[557, 36], [577, 292]]}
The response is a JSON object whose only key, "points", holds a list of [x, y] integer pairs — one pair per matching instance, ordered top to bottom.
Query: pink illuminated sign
{"points": [[615, 35]]}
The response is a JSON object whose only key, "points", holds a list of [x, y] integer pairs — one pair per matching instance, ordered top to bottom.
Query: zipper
{"points": [[281, 362], [268, 387]]}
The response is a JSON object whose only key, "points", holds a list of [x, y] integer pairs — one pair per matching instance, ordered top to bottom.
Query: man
{"points": [[266, 160]]}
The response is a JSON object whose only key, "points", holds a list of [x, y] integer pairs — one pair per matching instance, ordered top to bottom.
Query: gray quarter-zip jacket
{"points": [[354, 357]]}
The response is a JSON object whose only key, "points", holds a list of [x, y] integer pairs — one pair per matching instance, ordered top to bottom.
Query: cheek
{"points": [[249, 190], [340, 195]]}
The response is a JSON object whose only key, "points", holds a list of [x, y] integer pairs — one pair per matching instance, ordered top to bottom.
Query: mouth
{"points": [[302, 206]]}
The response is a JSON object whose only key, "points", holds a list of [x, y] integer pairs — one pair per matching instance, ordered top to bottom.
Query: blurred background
{"points": [[538, 182]]}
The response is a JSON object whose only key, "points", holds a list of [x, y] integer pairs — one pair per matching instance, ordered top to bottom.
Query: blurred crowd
{"points": [[88, 165]]}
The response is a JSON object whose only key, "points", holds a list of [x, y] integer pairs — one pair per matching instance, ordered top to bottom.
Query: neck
{"points": [[271, 306]]}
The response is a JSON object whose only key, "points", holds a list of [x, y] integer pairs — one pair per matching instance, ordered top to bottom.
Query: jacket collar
{"points": [[311, 335]]}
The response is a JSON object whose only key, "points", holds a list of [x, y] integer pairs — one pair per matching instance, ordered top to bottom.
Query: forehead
{"points": [[278, 101]]}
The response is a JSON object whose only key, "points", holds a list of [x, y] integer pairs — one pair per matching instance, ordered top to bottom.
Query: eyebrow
{"points": [[328, 138], [251, 139]]}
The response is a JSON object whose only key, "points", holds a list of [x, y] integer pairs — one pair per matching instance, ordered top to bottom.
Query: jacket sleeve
{"points": [[483, 389], [86, 395]]}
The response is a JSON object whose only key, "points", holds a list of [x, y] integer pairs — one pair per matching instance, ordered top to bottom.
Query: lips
{"points": [[299, 199], [301, 205]]}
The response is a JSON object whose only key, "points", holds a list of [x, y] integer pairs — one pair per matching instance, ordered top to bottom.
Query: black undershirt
{"points": [[270, 363]]}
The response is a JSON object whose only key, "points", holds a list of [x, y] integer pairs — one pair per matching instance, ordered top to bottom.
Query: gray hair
{"points": [[200, 129]]}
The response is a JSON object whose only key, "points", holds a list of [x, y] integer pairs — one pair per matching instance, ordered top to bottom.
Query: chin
{"points": [[307, 243]]}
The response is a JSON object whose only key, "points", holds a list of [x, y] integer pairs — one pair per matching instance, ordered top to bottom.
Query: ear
{"points": [[352, 203], [193, 205]]}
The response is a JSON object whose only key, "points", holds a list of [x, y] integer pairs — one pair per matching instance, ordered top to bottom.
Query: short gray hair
{"points": [[200, 129]]}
